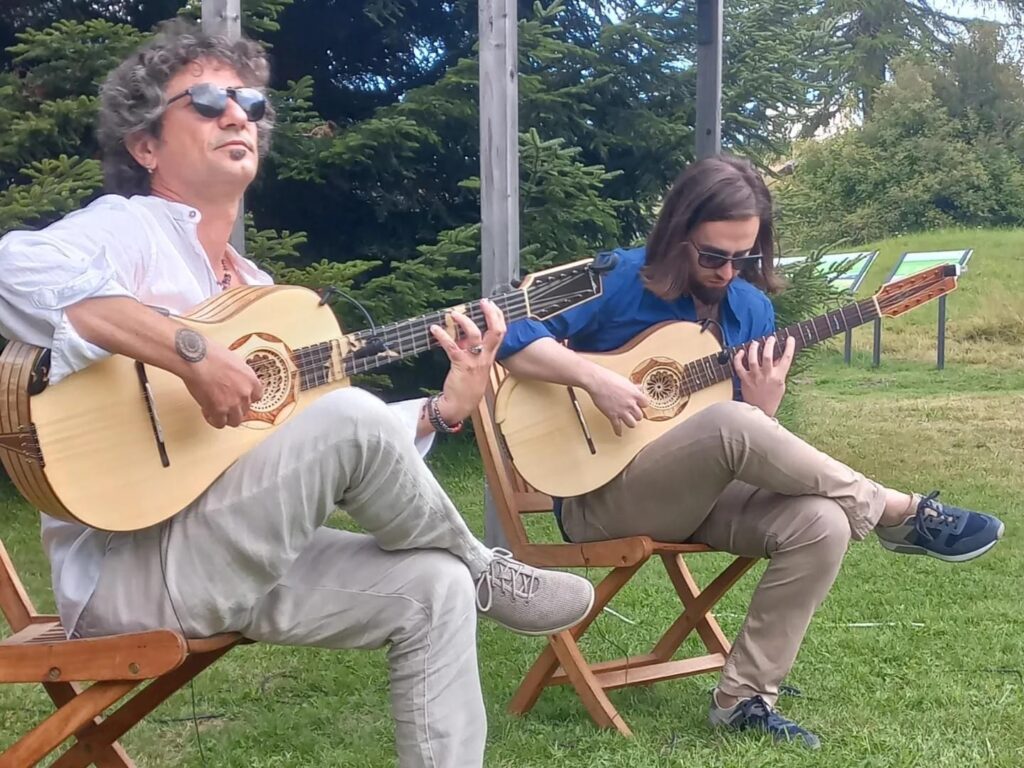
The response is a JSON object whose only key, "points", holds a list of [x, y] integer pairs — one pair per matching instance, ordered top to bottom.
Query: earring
{"points": [[150, 169]]}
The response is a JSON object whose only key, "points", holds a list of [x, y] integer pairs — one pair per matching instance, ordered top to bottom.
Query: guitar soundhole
{"points": [[272, 371], [661, 379], [662, 387]]}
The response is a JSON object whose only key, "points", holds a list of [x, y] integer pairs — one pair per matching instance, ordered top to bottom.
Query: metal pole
{"points": [[224, 17], [709, 78], [499, 170], [941, 344], [848, 347], [876, 353]]}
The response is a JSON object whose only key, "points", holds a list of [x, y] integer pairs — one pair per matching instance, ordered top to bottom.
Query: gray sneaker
{"points": [[531, 601]]}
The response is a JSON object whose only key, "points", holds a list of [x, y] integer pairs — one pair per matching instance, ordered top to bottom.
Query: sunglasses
{"points": [[211, 100], [712, 260]]}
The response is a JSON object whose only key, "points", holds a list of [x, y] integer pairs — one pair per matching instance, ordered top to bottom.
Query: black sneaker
{"points": [[939, 530], [754, 714]]}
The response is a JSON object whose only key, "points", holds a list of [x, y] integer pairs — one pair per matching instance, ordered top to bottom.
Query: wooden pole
{"points": [[224, 17], [709, 78], [499, 168]]}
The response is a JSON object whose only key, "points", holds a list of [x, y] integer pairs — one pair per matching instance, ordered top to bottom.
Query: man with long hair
{"points": [[183, 123], [730, 476]]}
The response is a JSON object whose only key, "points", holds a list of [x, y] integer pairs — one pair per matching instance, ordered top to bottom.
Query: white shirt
{"points": [[142, 247]]}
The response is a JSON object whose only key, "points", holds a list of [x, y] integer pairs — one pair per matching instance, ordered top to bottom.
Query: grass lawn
{"points": [[910, 662]]}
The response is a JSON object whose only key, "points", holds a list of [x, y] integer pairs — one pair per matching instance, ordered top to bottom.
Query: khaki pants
{"points": [[734, 479], [252, 556]]}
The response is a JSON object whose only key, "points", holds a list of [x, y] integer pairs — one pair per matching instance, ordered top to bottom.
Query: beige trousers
{"points": [[734, 479]]}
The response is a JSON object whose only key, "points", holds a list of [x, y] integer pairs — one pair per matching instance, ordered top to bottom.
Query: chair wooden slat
{"points": [[39, 651], [562, 662]]}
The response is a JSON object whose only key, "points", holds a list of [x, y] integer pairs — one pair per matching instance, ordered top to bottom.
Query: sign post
{"points": [[224, 17], [709, 78], [499, 171], [910, 263], [855, 268]]}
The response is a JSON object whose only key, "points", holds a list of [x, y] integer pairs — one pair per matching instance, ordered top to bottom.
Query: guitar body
{"points": [[544, 433], [86, 448]]}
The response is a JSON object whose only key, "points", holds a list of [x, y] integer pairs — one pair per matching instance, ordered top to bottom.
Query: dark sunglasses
{"points": [[211, 100], [712, 260]]}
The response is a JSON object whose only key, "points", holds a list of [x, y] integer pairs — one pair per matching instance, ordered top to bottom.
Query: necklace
{"points": [[225, 281]]}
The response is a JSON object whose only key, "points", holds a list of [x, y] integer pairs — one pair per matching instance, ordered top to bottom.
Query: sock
{"points": [[915, 499], [714, 701]]}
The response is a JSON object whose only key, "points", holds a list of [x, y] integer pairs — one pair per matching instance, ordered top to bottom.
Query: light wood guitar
{"points": [[560, 442], [122, 446]]}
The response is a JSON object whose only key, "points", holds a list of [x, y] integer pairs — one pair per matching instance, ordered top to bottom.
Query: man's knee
{"points": [[354, 408], [731, 416], [820, 525], [444, 588]]}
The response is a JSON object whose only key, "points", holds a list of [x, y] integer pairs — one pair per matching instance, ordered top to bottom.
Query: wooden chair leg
{"points": [[698, 604], [539, 675], [590, 691], [71, 717], [94, 739], [112, 756]]}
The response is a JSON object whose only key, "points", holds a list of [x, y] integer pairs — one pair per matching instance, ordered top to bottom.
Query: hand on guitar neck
{"points": [[762, 373]]}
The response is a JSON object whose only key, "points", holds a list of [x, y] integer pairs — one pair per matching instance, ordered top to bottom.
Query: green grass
{"points": [[937, 680]]}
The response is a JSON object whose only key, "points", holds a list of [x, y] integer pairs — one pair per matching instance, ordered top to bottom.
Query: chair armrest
{"points": [[613, 553], [135, 656]]}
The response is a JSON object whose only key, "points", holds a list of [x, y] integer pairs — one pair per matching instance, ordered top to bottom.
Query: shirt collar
{"points": [[177, 211]]}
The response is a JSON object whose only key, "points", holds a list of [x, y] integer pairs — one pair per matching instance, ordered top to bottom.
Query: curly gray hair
{"points": [[132, 97]]}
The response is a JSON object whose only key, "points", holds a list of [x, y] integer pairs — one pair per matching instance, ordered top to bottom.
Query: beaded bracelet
{"points": [[436, 420]]}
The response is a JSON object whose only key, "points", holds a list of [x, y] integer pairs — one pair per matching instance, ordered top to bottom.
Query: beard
{"points": [[706, 294]]}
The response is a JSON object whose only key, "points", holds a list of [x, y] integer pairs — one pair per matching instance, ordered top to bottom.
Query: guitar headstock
{"points": [[551, 291], [896, 298]]}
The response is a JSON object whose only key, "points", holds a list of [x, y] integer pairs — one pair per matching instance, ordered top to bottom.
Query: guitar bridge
{"points": [[154, 420], [582, 421]]}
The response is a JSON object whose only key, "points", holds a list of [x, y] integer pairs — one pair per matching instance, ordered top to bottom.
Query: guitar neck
{"points": [[367, 350], [705, 371]]}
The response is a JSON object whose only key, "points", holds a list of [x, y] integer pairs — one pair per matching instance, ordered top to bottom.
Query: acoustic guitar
{"points": [[561, 444], [121, 445]]}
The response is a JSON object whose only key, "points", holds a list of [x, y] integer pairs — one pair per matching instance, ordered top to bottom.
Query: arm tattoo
{"points": [[189, 345]]}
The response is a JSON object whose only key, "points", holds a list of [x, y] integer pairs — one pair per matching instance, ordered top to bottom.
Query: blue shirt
{"points": [[626, 308]]}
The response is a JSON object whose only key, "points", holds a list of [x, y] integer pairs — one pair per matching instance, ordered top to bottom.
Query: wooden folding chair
{"points": [[38, 651], [562, 662]]}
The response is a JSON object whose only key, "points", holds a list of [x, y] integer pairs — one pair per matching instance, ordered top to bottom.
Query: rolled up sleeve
{"points": [[41, 277]]}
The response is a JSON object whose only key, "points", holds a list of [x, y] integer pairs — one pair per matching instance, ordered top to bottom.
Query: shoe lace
{"points": [[932, 517], [507, 576], [756, 708]]}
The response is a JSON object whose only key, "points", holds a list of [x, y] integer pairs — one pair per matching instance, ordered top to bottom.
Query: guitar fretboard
{"points": [[376, 347], [712, 369]]}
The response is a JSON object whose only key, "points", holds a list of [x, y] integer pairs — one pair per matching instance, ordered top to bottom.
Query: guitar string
{"points": [[409, 334], [416, 336], [694, 380]]}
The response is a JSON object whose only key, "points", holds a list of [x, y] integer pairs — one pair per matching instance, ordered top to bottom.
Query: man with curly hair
{"points": [[183, 122]]}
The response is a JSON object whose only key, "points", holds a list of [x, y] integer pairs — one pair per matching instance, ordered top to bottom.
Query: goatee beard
{"points": [[707, 295]]}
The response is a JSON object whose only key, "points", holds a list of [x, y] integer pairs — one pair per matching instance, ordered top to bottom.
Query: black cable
{"points": [[326, 295], [164, 544]]}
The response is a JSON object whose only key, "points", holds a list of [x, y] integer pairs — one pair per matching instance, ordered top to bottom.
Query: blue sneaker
{"points": [[948, 533], [755, 715]]}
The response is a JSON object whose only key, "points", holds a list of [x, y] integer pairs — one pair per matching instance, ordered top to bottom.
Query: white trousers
{"points": [[252, 555]]}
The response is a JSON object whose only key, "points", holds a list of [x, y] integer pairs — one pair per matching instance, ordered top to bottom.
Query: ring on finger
{"points": [[476, 349]]}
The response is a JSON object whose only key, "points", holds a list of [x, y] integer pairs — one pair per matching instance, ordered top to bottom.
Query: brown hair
{"points": [[719, 188]]}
